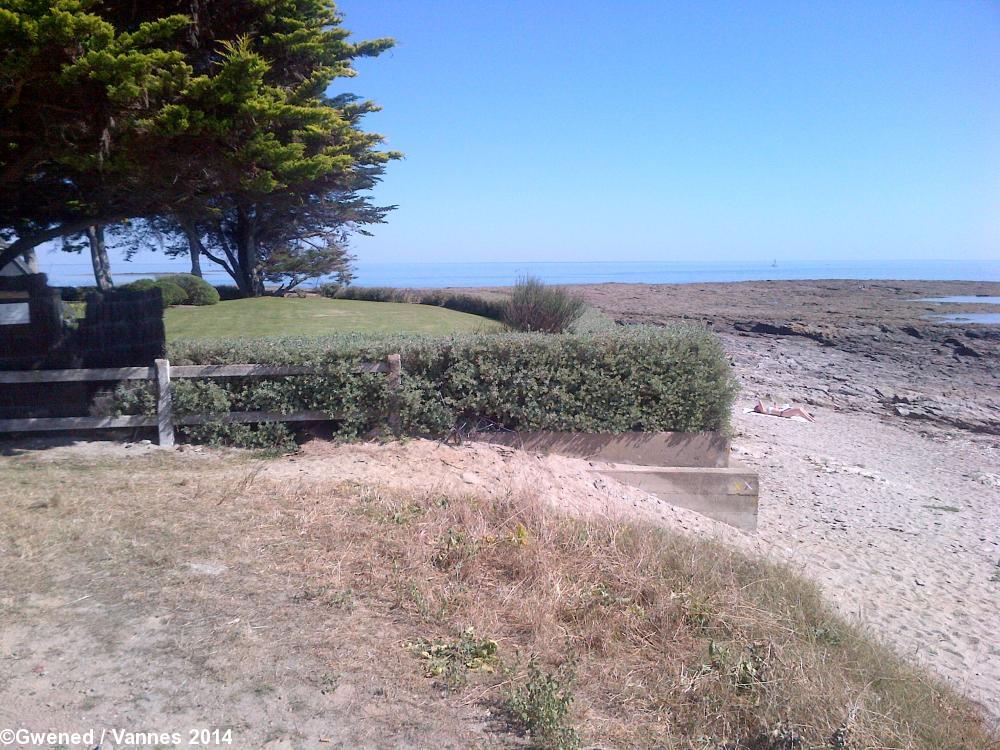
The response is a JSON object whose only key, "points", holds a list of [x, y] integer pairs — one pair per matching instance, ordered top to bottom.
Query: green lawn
{"points": [[313, 316]]}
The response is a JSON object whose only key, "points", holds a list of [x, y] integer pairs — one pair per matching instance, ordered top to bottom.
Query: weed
{"points": [[406, 513], [454, 549], [337, 599], [826, 634], [452, 660], [751, 669], [540, 707]]}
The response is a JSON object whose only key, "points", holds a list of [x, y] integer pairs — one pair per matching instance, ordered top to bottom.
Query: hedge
{"points": [[468, 303], [636, 379]]}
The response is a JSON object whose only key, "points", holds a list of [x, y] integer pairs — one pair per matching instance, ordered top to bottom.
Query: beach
{"points": [[890, 500]]}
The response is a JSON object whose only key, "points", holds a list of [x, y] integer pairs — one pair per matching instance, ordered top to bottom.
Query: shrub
{"points": [[141, 285], [329, 289], [199, 291], [228, 292], [75, 293], [374, 293], [173, 294], [467, 303], [533, 306], [636, 379], [209, 397], [540, 707]]}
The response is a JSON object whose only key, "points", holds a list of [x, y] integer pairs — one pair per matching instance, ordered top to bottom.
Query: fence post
{"points": [[395, 382], [164, 416]]}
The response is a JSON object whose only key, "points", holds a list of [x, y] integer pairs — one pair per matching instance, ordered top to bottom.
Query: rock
{"points": [[788, 329], [961, 349]]}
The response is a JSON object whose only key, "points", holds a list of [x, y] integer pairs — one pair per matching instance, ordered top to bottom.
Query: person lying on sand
{"points": [[786, 410]]}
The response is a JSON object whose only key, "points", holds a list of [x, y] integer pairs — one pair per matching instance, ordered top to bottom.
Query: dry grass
{"points": [[671, 643]]}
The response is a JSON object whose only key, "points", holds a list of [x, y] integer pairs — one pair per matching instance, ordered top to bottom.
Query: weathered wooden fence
{"points": [[162, 372]]}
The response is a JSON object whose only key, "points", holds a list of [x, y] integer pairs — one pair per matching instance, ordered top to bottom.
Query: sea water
{"points": [[74, 270], [965, 299]]}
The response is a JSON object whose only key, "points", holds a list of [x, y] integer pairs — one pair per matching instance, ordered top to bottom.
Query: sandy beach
{"points": [[891, 499]]}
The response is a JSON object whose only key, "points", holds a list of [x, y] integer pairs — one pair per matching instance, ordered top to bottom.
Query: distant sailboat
{"points": [[774, 263]]}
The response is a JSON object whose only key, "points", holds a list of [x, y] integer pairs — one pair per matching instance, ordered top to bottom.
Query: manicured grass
{"points": [[313, 316]]}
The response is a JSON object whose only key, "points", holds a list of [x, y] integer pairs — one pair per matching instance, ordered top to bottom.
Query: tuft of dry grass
{"points": [[670, 642], [673, 642]]}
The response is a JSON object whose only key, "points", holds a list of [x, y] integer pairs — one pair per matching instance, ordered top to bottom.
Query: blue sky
{"points": [[719, 131]]}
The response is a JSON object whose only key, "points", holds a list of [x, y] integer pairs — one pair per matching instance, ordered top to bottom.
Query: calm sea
{"points": [[65, 269]]}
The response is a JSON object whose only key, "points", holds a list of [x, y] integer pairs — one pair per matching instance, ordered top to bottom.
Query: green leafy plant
{"points": [[451, 660], [540, 706]]}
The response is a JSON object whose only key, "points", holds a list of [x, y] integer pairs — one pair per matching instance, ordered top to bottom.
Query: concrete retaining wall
{"points": [[709, 449], [688, 470], [725, 494]]}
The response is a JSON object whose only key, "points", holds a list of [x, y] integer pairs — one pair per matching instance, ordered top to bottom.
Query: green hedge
{"points": [[467, 303], [473, 304], [637, 379]]}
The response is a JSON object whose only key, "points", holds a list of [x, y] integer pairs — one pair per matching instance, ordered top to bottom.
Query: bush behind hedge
{"points": [[199, 291], [369, 293], [173, 294], [467, 303], [536, 306], [638, 379]]}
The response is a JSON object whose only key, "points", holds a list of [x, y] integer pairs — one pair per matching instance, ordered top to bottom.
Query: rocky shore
{"points": [[868, 346]]}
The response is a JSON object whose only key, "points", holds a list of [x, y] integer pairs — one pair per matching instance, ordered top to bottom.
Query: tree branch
{"points": [[26, 243]]}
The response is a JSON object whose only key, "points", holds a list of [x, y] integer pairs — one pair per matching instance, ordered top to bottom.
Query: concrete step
{"points": [[727, 494]]}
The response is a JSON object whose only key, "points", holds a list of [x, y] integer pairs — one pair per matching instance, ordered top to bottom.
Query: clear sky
{"points": [[656, 130]]}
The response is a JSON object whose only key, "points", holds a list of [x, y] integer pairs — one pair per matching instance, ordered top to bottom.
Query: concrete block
{"points": [[706, 449], [727, 494]]}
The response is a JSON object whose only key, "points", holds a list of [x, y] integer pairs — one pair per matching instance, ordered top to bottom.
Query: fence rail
{"points": [[162, 372]]}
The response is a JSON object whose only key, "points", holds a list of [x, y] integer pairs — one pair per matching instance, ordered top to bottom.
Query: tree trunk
{"points": [[194, 247], [248, 255], [99, 257], [31, 260], [195, 261]]}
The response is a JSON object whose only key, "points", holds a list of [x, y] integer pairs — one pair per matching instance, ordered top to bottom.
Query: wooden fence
{"points": [[162, 372]]}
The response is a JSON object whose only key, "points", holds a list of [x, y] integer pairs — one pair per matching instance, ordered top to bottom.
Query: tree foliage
{"points": [[74, 94], [213, 118]]}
